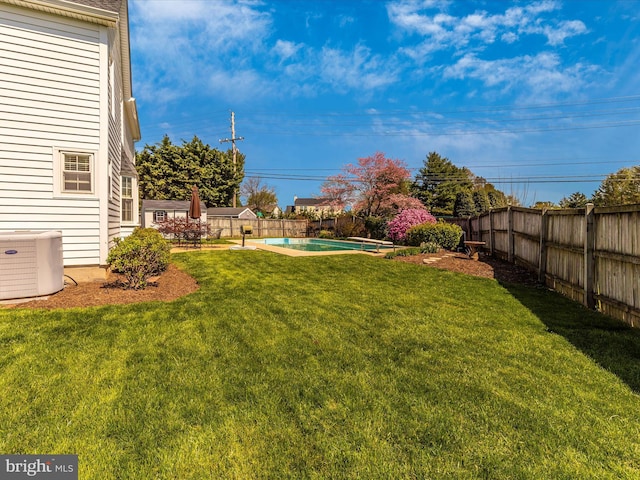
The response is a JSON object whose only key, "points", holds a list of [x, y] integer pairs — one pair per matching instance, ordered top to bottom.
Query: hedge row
{"points": [[447, 235]]}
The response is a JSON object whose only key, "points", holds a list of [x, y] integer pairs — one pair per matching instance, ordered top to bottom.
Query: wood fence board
{"points": [[262, 227], [587, 253]]}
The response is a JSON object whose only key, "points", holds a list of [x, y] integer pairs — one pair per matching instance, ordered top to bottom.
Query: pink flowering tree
{"points": [[374, 187], [397, 228]]}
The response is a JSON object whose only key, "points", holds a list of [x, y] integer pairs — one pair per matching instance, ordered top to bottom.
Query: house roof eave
{"points": [[70, 9]]}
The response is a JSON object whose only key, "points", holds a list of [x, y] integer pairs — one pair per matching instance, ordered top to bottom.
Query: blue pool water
{"points": [[317, 244]]}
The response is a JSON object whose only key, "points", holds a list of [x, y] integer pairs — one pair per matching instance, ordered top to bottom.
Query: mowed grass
{"points": [[325, 367]]}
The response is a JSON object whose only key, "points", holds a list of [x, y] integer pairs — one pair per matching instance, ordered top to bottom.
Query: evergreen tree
{"points": [[168, 172], [438, 183], [620, 188], [497, 199], [575, 200], [481, 201], [464, 205]]}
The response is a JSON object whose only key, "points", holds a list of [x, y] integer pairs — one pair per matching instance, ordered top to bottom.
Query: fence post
{"points": [[491, 234], [510, 239], [589, 241], [542, 266]]}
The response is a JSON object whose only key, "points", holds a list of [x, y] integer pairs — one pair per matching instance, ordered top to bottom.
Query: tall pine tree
{"points": [[168, 172]]}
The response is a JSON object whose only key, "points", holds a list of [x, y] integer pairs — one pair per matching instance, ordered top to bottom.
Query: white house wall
{"points": [[114, 96], [50, 97]]}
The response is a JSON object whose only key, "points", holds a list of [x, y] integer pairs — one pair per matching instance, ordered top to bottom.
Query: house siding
{"points": [[114, 95], [50, 97]]}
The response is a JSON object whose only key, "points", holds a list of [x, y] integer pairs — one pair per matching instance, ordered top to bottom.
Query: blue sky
{"points": [[540, 98]]}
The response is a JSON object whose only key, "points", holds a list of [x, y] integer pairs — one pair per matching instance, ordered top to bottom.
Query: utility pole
{"points": [[233, 149]]}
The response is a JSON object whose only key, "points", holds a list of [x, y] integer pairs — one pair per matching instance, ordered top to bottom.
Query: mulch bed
{"points": [[486, 266], [172, 284]]}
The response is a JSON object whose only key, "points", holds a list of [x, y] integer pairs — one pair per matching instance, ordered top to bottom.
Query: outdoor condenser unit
{"points": [[31, 264]]}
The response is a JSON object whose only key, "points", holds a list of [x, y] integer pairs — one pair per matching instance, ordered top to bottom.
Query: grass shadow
{"points": [[611, 343]]}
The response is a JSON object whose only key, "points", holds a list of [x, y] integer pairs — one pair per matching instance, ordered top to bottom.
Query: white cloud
{"points": [[345, 21], [443, 31], [509, 37], [176, 46], [227, 49], [285, 50], [358, 68], [542, 74], [238, 85]]}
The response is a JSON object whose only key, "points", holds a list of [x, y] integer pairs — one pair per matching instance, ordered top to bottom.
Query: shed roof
{"points": [[169, 205], [227, 211]]}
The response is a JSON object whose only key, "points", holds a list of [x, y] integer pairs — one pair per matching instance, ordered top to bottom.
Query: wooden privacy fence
{"points": [[262, 227], [591, 254]]}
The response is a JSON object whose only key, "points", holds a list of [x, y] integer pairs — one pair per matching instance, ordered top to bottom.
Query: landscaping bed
{"points": [[486, 266], [173, 283]]}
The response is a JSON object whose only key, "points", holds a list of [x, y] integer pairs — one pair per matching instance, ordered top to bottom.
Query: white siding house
{"points": [[69, 122]]}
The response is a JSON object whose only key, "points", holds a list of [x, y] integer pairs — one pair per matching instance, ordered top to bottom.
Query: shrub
{"points": [[350, 226], [375, 227], [398, 227], [183, 229], [325, 234], [446, 235], [429, 247], [404, 252], [141, 255]]}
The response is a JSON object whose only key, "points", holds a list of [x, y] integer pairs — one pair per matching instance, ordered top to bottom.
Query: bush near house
{"points": [[447, 235], [141, 255]]}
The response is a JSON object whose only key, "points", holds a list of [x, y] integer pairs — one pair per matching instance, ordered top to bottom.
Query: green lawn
{"points": [[325, 367]]}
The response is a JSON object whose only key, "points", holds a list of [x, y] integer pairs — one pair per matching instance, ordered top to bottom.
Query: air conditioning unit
{"points": [[31, 264]]}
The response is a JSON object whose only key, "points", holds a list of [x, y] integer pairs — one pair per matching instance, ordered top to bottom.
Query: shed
{"points": [[156, 211], [230, 212]]}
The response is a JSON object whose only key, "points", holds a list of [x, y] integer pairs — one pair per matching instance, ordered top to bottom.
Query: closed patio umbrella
{"points": [[194, 207], [194, 213]]}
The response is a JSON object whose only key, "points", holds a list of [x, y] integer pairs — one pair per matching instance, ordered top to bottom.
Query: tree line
{"points": [[375, 186]]}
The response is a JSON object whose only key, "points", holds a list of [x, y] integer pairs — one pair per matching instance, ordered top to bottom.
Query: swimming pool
{"points": [[317, 244]]}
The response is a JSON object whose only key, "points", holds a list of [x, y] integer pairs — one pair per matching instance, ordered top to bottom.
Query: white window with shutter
{"points": [[74, 173], [77, 173], [126, 197]]}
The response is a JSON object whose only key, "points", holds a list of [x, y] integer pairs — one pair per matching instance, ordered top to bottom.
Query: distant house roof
{"points": [[308, 202], [169, 205], [229, 212]]}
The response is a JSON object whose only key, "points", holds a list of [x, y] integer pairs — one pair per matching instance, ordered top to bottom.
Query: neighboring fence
{"points": [[344, 226], [262, 227], [591, 255]]}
